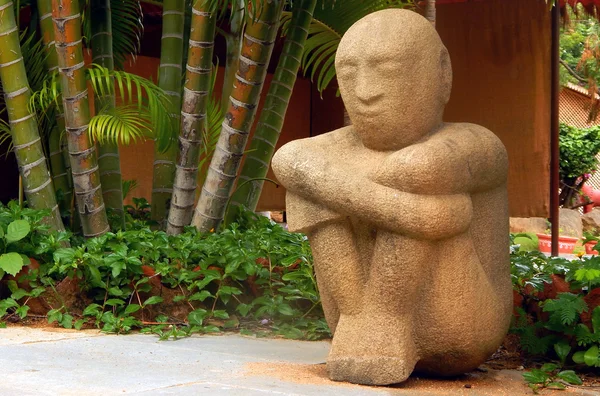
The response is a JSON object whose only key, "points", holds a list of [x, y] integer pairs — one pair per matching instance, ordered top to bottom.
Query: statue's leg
{"points": [[338, 269], [467, 310], [377, 345]]}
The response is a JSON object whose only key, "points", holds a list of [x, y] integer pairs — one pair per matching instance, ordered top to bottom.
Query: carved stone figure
{"points": [[407, 216]]}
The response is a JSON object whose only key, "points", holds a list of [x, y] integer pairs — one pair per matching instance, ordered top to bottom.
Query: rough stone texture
{"points": [[407, 216], [591, 221], [570, 223], [537, 225]]}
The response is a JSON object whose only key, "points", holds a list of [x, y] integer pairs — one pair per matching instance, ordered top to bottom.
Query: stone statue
{"points": [[407, 216]]}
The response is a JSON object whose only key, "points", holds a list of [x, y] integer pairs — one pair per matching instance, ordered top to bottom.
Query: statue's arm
{"points": [[462, 158], [312, 176]]}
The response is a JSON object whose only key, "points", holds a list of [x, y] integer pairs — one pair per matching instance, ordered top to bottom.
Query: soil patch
{"points": [[482, 382]]}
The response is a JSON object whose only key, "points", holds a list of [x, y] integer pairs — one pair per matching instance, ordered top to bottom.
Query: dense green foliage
{"points": [[575, 36], [578, 149], [253, 275], [557, 312]]}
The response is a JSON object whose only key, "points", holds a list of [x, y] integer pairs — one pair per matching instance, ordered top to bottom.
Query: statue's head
{"points": [[395, 78]]}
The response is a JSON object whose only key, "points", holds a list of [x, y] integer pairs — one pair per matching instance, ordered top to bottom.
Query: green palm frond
{"points": [[330, 21], [127, 27], [34, 58], [132, 89], [149, 100], [121, 124], [5, 136]]}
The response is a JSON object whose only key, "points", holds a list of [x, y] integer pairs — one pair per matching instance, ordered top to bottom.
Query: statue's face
{"points": [[394, 75]]}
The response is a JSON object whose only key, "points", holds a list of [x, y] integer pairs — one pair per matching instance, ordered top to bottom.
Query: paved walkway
{"points": [[60, 362]]}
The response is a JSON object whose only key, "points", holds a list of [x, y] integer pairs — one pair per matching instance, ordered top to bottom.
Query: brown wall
{"points": [[500, 51], [137, 159]]}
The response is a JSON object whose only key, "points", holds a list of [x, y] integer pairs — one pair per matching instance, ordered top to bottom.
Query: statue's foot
{"points": [[364, 353], [370, 370]]}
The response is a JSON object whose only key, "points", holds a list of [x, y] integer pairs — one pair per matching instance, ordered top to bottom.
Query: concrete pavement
{"points": [[60, 362]]}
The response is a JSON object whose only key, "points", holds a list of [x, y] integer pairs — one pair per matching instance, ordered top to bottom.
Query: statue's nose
{"points": [[364, 89]]}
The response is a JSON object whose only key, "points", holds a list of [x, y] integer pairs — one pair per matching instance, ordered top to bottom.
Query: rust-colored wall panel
{"points": [[500, 51], [137, 159]]}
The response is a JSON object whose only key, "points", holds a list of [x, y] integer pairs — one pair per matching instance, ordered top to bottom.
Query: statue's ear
{"points": [[445, 74]]}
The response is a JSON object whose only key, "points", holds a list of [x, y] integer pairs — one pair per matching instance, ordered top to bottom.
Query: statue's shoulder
{"points": [[343, 135], [471, 135], [339, 138]]}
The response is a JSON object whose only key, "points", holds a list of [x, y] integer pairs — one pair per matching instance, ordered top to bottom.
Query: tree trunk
{"points": [[430, 13], [261, 32], [232, 56], [169, 79], [193, 116], [271, 119], [108, 152], [82, 153], [33, 168], [60, 169]]}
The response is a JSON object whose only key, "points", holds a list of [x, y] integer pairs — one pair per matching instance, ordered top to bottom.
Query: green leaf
{"points": [[17, 230], [64, 255], [11, 263], [117, 267], [12, 286], [229, 290], [115, 291], [19, 294], [200, 296], [179, 298], [153, 300], [114, 302], [132, 308], [244, 309], [285, 309], [91, 310], [22, 311], [220, 314], [54, 315], [195, 318], [596, 320], [67, 321], [79, 324], [211, 329], [562, 350], [591, 356], [578, 357], [549, 367], [570, 376], [535, 377], [556, 385]]}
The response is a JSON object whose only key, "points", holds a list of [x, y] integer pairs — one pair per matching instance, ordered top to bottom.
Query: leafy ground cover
{"points": [[253, 276], [256, 278], [557, 314]]}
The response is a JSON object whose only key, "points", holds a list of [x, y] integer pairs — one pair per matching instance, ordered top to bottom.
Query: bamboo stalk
{"points": [[259, 36], [232, 56], [169, 79], [193, 115], [270, 123], [108, 152], [58, 153], [82, 153], [33, 167]]}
